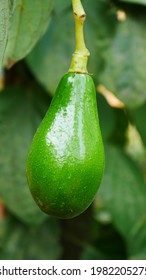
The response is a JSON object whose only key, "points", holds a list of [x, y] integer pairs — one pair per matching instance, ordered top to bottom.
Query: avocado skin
{"points": [[65, 162]]}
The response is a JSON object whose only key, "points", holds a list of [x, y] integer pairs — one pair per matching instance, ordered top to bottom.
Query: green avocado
{"points": [[65, 162]]}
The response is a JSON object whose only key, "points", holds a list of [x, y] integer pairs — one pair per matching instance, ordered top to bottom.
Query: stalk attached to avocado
{"points": [[65, 162]]}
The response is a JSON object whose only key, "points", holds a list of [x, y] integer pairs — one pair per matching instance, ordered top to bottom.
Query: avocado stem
{"points": [[80, 56]]}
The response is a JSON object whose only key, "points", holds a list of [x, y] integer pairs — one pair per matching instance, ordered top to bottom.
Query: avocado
{"points": [[65, 162]]}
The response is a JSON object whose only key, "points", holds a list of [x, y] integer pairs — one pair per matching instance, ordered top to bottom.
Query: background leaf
{"points": [[141, 2], [61, 5], [28, 22], [4, 25], [53, 52], [124, 73], [106, 112], [20, 114], [137, 117], [123, 191], [21, 242], [107, 244], [137, 244]]}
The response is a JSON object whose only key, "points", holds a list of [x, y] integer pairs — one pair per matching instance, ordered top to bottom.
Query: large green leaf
{"points": [[141, 2], [61, 5], [28, 23], [4, 25], [99, 30], [51, 57], [124, 73], [106, 113], [20, 114], [137, 117], [119, 136], [123, 191], [137, 241], [21, 242], [106, 244]]}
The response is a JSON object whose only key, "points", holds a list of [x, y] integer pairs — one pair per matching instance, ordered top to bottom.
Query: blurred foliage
{"points": [[4, 25], [26, 26], [38, 42]]}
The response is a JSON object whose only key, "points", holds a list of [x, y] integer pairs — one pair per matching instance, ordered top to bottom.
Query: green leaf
{"points": [[141, 2], [61, 6], [28, 23], [4, 25], [99, 29], [51, 57], [124, 73], [21, 112], [106, 113], [138, 117], [119, 135], [123, 191], [20, 242], [137, 242], [108, 245], [90, 252]]}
